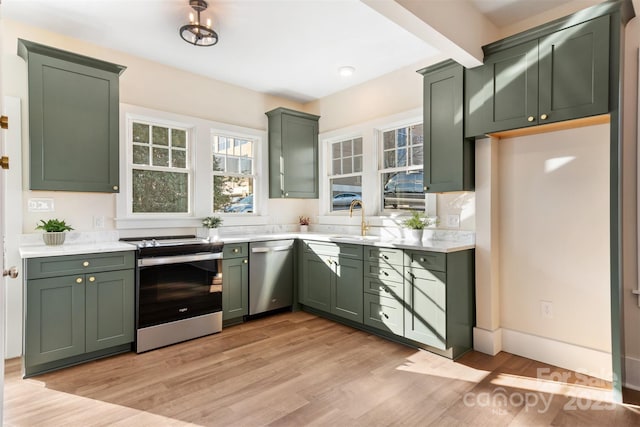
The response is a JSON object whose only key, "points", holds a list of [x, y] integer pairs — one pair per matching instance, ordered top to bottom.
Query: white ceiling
{"points": [[289, 48]]}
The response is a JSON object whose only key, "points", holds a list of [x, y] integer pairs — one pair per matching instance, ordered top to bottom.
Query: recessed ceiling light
{"points": [[346, 71]]}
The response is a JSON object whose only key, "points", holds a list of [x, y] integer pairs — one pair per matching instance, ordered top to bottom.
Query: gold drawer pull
{"points": [[544, 117], [530, 118], [235, 250], [246, 261], [85, 264], [92, 279], [79, 280]]}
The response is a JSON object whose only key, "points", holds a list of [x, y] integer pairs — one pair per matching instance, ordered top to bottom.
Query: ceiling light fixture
{"points": [[194, 32], [346, 71]]}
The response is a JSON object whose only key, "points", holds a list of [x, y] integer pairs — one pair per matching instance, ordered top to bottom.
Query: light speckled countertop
{"points": [[78, 246]]}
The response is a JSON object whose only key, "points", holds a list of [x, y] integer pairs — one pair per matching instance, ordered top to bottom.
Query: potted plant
{"points": [[212, 223], [304, 223], [415, 225], [53, 231]]}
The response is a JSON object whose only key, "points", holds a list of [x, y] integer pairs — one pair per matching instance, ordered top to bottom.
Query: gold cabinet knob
{"points": [[543, 117], [530, 118], [115, 188], [425, 188], [286, 194], [236, 250], [246, 261], [85, 264], [92, 279], [79, 280]]}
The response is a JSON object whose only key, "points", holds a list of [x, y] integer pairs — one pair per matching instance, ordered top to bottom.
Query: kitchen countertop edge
{"points": [[40, 251]]}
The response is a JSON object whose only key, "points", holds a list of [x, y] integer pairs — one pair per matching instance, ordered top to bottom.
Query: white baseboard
{"points": [[487, 342], [564, 355], [632, 373]]}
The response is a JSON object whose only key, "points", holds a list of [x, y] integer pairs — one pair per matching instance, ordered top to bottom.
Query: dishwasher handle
{"points": [[265, 249]]}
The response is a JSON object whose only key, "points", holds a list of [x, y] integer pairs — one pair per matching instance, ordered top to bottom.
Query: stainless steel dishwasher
{"points": [[270, 275]]}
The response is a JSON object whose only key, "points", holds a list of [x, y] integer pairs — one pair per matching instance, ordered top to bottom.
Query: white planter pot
{"points": [[304, 228], [214, 234], [411, 234], [52, 238]]}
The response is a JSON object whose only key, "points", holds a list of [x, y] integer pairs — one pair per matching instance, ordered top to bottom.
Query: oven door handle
{"points": [[177, 259]]}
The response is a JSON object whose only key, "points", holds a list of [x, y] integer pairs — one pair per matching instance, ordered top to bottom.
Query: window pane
{"points": [[140, 132], [417, 134], [160, 135], [402, 137], [179, 138], [389, 139], [357, 146], [245, 148], [347, 148], [335, 150], [141, 155], [417, 156], [160, 157], [402, 157], [178, 158], [389, 159], [218, 163], [233, 164], [357, 164], [346, 165], [246, 166], [337, 167], [403, 190], [155, 191], [344, 191], [232, 194]]}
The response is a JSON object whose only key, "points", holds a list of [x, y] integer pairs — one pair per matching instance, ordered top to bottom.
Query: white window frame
{"points": [[254, 166], [201, 186]]}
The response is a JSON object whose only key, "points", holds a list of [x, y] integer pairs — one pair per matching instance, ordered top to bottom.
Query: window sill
{"points": [[176, 222]]}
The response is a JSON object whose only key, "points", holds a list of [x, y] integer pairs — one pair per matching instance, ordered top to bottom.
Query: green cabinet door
{"points": [[574, 72], [73, 120], [293, 154], [448, 157], [316, 281], [235, 288], [347, 292], [109, 309], [425, 315], [55, 319]]}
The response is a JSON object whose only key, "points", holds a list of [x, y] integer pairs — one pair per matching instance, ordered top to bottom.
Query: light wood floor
{"points": [[295, 369]]}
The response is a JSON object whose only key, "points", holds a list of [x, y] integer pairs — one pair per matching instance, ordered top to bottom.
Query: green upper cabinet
{"points": [[559, 76], [73, 120], [293, 154], [448, 157]]}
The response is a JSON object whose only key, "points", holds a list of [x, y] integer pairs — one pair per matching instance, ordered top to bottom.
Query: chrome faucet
{"points": [[363, 224]]}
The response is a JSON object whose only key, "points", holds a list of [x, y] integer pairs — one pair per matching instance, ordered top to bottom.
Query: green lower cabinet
{"points": [[331, 279], [347, 289], [235, 292], [439, 300], [110, 309], [384, 313], [425, 317], [73, 318], [55, 321]]}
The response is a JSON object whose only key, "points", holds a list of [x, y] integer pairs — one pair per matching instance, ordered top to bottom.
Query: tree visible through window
{"points": [[160, 173], [233, 174]]}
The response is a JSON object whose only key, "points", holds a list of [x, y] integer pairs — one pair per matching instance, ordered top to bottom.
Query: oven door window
{"points": [[172, 292]]}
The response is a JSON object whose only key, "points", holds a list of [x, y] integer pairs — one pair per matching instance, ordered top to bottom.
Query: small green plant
{"points": [[304, 220], [416, 221], [212, 222], [53, 226]]}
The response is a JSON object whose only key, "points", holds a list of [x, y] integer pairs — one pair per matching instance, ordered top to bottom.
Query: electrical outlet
{"points": [[40, 205], [453, 221], [98, 222], [546, 309]]}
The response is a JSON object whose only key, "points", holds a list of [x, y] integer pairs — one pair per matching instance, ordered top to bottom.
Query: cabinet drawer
{"points": [[235, 250], [344, 250], [391, 256], [430, 260], [79, 264], [384, 272], [385, 288], [384, 313]]}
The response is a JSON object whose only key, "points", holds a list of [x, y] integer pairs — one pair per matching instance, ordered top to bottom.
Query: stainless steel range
{"points": [[179, 289]]}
